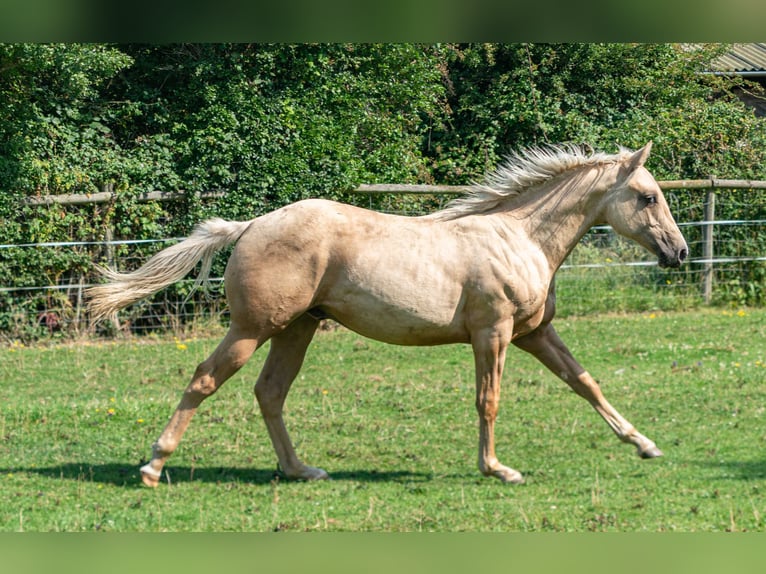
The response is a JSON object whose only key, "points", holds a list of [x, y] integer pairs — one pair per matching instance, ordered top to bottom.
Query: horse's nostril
{"points": [[682, 254]]}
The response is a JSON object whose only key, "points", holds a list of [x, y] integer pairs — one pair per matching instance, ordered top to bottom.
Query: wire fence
{"points": [[604, 273]]}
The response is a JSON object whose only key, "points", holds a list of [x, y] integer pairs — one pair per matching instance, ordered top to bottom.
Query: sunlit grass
{"points": [[396, 429]]}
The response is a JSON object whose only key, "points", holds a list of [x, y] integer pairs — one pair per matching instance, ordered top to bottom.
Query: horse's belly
{"points": [[399, 324], [402, 333]]}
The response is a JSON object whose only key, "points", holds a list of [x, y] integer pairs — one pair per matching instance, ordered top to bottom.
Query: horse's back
{"points": [[316, 224]]}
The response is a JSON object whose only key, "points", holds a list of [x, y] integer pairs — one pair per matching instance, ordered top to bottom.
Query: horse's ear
{"points": [[638, 159]]}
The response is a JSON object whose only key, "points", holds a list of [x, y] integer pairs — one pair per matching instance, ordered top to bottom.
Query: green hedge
{"points": [[271, 124]]}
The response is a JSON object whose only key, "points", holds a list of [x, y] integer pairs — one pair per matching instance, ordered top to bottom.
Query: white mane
{"points": [[520, 172]]}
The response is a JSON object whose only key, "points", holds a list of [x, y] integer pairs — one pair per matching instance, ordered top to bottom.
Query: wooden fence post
{"points": [[707, 245], [111, 261]]}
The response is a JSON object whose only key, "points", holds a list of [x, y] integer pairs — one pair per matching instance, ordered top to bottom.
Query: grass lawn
{"points": [[396, 429]]}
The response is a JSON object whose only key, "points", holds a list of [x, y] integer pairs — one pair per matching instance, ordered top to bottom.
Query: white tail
{"points": [[164, 268]]}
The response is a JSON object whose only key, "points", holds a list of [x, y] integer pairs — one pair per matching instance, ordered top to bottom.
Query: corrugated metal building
{"points": [[749, 62]]}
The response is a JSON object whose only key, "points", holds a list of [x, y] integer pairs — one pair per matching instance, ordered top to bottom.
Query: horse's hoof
{"points": [[652, 452], [307, 473], [312, 473], [507, 475], [149, 476], [513, 477]]}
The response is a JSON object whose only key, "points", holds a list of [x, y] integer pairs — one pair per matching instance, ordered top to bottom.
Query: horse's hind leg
{"points": [[235, 349], [285, 359]]}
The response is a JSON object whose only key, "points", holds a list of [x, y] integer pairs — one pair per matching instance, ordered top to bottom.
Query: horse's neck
{"points": [[558, 213]]}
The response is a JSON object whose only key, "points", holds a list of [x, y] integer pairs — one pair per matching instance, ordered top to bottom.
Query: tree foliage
{"points": [[507, 97], [271, 124], [54, 127]]}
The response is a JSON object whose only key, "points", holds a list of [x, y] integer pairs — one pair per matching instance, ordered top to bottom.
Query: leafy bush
{"points": [[269, 124], [272, 124]]}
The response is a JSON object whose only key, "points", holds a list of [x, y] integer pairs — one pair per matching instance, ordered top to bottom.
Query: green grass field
{"points": [[396, 429]]}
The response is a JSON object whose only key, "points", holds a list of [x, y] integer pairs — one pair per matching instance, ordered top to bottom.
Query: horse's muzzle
{"points": [[673, 259]]}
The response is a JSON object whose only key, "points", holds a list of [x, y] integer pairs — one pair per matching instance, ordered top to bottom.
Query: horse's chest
{"points": [[519, 283], [520, 294], [523, 303], [528, 305]]}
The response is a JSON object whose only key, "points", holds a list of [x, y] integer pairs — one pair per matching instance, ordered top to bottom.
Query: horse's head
{"points": [[636, 208]]}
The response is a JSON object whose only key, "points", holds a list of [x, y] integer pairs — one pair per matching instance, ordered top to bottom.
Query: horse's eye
{"points": [[650, 199]]}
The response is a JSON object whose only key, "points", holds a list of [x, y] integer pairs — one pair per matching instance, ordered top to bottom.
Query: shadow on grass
{"points": [[738, 469], [128, 475]]}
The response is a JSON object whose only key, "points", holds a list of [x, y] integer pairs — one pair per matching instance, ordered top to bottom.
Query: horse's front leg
{"points": [[545, 344], [489, 347]]}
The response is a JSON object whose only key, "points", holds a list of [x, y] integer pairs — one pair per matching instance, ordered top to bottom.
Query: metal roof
{"points": [[743, 59]]}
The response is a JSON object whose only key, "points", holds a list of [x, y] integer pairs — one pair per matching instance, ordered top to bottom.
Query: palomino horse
{"points": [[480, 272]]}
